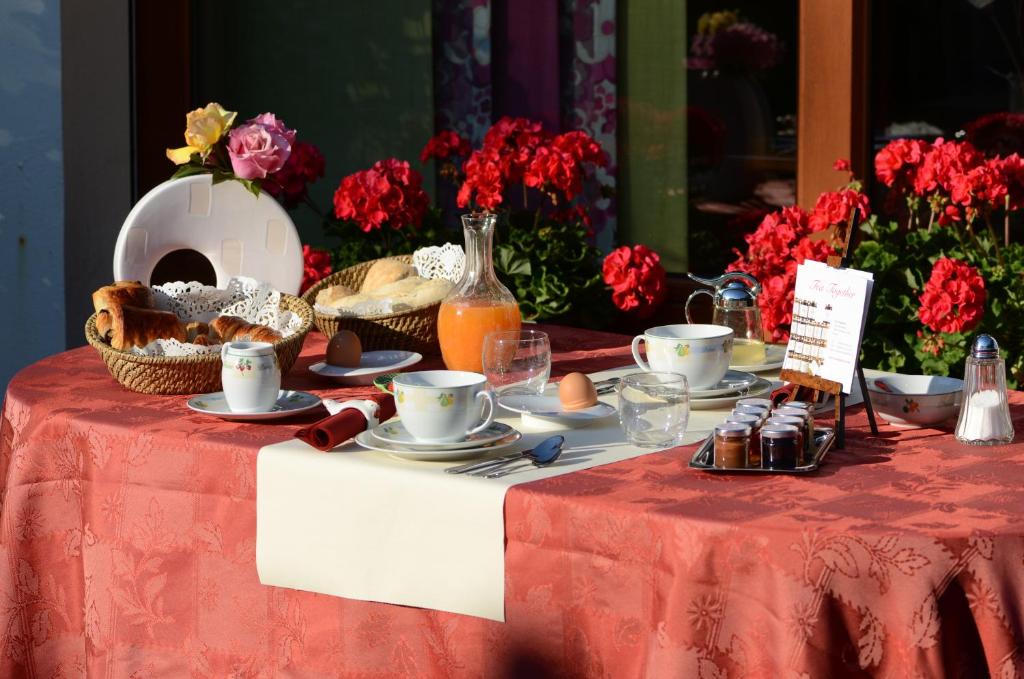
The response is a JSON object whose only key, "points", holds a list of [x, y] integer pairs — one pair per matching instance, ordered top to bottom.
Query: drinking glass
{"points": [[517, 361], [654, 408]]}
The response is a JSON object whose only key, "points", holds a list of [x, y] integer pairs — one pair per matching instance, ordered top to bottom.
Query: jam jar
{"points": [[754, 422], [797, 422], [808, 425], [732, 440], [780, 448]]}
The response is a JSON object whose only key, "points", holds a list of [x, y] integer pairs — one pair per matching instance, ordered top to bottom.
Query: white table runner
{"points": [[363, 525]]}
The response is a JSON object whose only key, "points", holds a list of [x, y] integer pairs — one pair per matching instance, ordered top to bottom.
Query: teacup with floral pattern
{"points": [[443, 406]]}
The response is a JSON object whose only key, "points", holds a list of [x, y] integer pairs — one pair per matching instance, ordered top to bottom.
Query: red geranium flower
{"points": [[445, 144], [942, 162], [897, 164], [304, 166], [390, 193], [836, 207], [774, 250], [316, 264], [637, 278], [953, 299]]}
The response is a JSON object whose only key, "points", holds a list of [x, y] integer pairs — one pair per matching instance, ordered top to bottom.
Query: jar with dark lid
{"points": [[794, 421], [754, 422], [808, 425], [732, 441], [779, 446]]}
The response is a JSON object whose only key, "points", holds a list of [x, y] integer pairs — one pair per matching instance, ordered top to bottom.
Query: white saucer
{"points": [[773, 360], [371, 364], [733, 380], [759, 388], [288, 403], [549, 407], [394, 433], [367, 440]]}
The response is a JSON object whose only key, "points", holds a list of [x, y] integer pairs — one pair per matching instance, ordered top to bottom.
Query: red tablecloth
{"points": [[128, 535]]}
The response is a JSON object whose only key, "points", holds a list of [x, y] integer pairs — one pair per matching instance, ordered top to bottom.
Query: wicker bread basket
{"points": [[413, 330], [189, 374]]}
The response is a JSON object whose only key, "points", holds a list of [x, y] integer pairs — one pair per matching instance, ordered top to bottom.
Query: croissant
{"points": [[132, 293], [127, 326], [235, 329], [195, 330], [202, 340]]}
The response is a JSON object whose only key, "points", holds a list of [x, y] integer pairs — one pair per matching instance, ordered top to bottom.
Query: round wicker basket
{"points": [[413, 330], [189, 374]]}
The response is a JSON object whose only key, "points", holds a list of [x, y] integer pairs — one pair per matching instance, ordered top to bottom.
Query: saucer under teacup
{"points": [[774, 356], [734, 380], [761, 387], [288, 403], [394, 432], [367, 440]]}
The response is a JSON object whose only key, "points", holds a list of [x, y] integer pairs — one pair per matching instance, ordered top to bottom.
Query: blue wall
{"points": [[31, 184]]}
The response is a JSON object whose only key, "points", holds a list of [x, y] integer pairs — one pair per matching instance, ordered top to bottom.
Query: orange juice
{"points": [[463, 324]]}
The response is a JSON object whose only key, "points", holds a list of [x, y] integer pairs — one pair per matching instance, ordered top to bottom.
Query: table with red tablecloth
{"points": [[127, 549]]}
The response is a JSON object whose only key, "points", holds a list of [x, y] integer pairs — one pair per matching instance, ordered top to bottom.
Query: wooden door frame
{"points": [[832, 95]]}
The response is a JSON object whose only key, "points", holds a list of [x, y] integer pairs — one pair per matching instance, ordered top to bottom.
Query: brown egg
{"points": [[344, 349], [576, 392]]}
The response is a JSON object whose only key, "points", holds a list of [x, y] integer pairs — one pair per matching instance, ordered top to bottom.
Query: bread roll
{"points": [[383, 272], [132, 293], [330, 295], [127, 326], [235, 329], [195, 330]]}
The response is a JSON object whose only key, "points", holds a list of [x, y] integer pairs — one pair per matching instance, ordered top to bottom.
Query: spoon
{"points": [[886, 387], [541, 449], [541, 456]]}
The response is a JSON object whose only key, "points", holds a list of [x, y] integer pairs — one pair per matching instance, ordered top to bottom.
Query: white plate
{"points": [[773, 361], [371, 364], [734, 380], [759, 388], [288, 403], [549, 407], [395, 433], [367, 440]]}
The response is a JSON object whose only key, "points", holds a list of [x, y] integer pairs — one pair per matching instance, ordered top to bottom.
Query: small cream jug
{"points": [[251, 376]]}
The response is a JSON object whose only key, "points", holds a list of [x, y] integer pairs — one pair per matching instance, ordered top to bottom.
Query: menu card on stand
{"points": [[830, 306]]}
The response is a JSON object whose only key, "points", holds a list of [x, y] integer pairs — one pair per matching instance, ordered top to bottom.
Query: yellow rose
{"points": [[203, 128]]}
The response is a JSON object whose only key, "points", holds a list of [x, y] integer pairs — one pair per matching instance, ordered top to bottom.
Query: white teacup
{"points": [[699, 351], [250, 375], [443, 406]]}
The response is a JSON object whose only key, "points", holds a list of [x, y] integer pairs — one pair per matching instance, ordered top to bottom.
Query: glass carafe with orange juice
{"points": [[479, 304]]}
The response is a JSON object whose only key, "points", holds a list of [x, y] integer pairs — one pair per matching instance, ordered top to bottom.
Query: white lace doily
{"points": [[446, 261], [246, 298]]}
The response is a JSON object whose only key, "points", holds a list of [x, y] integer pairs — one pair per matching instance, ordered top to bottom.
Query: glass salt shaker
{"points": [[984, 412]]}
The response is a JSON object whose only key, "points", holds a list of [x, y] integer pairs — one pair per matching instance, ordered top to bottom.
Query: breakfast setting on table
{"points": [[317, 445]]}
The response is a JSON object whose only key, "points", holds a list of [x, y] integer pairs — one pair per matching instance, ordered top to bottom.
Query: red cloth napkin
{"points": [[792, 392], [336, 429]]}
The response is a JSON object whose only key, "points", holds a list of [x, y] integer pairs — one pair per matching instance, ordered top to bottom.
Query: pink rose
{"points": [[260, 147]]}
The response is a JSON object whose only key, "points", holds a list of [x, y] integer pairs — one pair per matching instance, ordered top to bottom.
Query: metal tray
{"points": [[704, 458]]}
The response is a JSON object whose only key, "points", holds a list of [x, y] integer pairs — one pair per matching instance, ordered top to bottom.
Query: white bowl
{"points": [[919, 401]]}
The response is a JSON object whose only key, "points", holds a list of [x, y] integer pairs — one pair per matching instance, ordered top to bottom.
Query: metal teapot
{"points": [[735, 306]]}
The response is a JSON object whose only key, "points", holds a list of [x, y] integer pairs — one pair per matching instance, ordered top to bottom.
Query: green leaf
{"points": [[190, 169]]}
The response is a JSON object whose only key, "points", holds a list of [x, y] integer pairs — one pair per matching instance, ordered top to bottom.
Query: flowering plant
{"points": [[725, 42], [260, 153], [536, 181], [787, 238], [943, 271], [637, 278]]}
